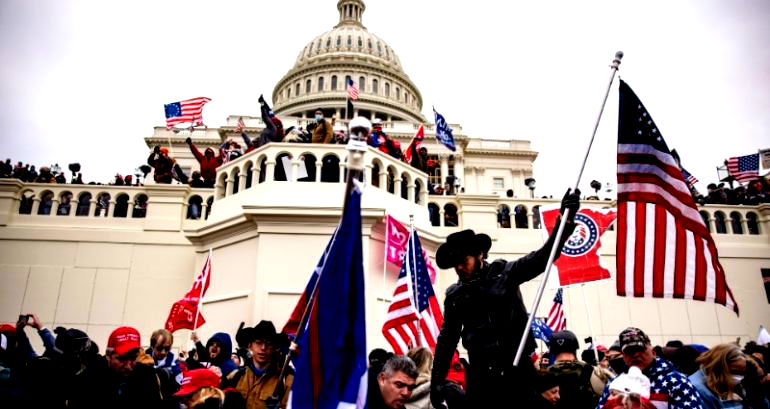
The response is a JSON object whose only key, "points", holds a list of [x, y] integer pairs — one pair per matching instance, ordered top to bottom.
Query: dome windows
{"points": [[339, 41], [350, 41], [328, 42], [360, 42], [370, 43], [318, 46], [379, 47], [334, 82], [320, 84], [361, 84], [308, 86], [375, 86], [296, 89], [387, 90], [398, 93]]}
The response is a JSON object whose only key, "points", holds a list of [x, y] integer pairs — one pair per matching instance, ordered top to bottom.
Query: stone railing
{"points": [[318, 163], [157, 206]]}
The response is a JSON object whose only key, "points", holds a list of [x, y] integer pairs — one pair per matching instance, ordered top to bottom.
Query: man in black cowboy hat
{"points": [[486, 309], [259, 379]]}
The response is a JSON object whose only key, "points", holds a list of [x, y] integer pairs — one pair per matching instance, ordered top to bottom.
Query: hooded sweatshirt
{"points": [[208, 166], [223, 360]]}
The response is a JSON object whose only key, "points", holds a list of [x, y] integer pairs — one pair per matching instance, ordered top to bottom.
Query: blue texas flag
{"points": [[331, 367]]}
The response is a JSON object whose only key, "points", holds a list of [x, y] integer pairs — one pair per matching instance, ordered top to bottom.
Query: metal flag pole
{"points": [[614, 69], [359, 130], [385, 258], [412, 270], [594, 343]]}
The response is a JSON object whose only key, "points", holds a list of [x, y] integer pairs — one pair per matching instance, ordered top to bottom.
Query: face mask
{"points": [[319, 118], [618, 365], [737, 379]]}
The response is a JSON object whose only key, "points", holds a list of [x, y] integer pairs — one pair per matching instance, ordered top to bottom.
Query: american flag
{"points": [[352, 89], [189, 110], [241, 125], [744, 168], [689, 178], [664, 249], [556, 319], [413, 320]]}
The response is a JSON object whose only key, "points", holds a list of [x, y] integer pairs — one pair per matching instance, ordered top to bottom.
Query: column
{"points": [[318, 165], [444, 168], [270, 169], [294, 170], [367, 173], [255, 175], [384, 178], [479, 180], [242, 182], [229, 183], [470, 183], [397, 185], [410, 190], [423, 196], [35, 206], [54, 207], [73, 207], [92, 208], [111, 209], [441, 216], [529, 219], [744, 223], [711, 224], [728, 224]]}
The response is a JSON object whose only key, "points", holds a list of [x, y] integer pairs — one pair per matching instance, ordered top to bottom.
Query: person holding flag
{"points": [[485, 308]]}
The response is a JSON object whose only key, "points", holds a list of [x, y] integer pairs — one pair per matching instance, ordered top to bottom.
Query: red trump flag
{"points": [[579, 261], [184, 313]]}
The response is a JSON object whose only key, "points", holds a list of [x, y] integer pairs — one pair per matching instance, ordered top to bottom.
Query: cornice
{"points": [[501, 153]]}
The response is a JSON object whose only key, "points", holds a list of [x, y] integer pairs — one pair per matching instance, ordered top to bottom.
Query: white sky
{"points": [[86, 80]]}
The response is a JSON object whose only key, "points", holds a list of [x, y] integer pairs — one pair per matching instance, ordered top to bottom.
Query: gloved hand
{"points": [[261, 100], [188, 140], [156, 149], [570, 201], [437, 395]]}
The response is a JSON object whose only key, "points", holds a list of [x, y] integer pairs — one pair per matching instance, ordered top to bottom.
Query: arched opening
{"points": [[334, 82], [320, 84], [361, 84], [308, 86], [375, 86], [296, 89], [387, 90], [309, 160], [281, 164], [262, 169], [330, 169], [248, 174], [376, 174], [236, 178], [391, 180], [405, 186], [417, 189], [25, 202], [46, 202], [209, 203], [65, 204], [84, 204], [102, 205], [121, 205], [140, 207], [194, 207], [434, 214], [450, 215], [705, 216], [504, 217], [520, 217], [536, 217], [735, 220], [719, 223], [751, 223]]}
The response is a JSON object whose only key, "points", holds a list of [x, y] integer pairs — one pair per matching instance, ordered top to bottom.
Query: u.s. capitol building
{"points": [[119, 255]]}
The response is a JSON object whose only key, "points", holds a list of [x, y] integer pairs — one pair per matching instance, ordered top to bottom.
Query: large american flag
{"points": [[352, 89], [189, 110], [744, 168], [664, 249], [414, 317], [556, 319]]}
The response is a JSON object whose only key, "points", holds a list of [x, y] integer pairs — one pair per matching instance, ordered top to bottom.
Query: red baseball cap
{"points": [[8, 329], [124, 339], [196, 380]]}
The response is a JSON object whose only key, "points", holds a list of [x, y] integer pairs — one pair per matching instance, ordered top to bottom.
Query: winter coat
{"points": [[323, 132], [163, 166], [208, 166], [488, 313], [222, 360], [575, 379], [256, 386], [668, 387], [420, 395], [710, 399]]}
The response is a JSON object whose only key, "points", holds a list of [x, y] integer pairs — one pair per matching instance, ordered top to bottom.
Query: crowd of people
{"points": [[53, 174], [754, 193]]}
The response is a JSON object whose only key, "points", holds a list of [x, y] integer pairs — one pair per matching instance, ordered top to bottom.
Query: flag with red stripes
{"points": [[352, 89], [189, 110], [241, 125], [416, 142], [744, 168], [664, 250], [414, 318], [556, 320]]}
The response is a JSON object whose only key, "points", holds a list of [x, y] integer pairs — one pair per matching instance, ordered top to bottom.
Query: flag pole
{"points": [[614, 69], [357, 148], [385, 257], [414, 278], [200, 298], [594, 343]]}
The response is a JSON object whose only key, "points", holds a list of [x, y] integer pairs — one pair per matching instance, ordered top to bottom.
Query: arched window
{"points": [[339, 41], [350, 41], [328, 42], [360, 42], [370, 43], [318, 46], [379, 47], [334, 82], [320, 84], [361, 84], [308, 86], [375, 86], [296, 89], [387, 90], [288, 92], [398, 93], [406, 97], [309, 160], [330, 169], [262, 170], [280, 172], [248, 174], [375, 174], [236, 180], [391, 181], [404, 186], [417, 190], [25, 203], [209, 203], [65, 204], [84, 204], [103, 205], [121, 206], [140, 207], [194, 207], [434, 214], [450, 215], [705, 216], [504, 217], [520, 217], [536, 217], [735, 220], [719, 223], [751, 223]]}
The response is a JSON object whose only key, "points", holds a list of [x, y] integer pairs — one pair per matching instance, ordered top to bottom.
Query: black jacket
{"points": [[488, 312]]}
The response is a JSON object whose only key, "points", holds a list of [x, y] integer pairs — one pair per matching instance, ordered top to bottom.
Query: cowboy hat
{"points": [[461, 244]]}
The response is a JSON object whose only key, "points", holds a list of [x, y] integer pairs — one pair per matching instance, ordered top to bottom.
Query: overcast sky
{"points": [[86, 80]]}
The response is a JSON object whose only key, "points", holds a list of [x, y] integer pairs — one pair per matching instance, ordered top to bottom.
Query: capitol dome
{"points": [[348, 51]]}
